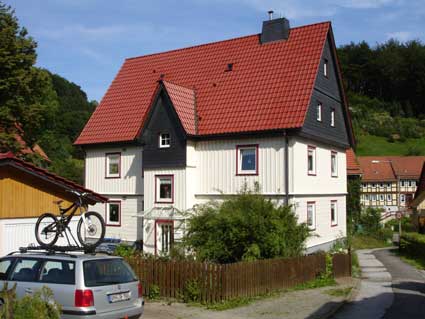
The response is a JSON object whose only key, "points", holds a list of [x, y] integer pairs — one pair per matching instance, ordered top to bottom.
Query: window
{"points": [[325, 67], [319, 112], [333, 117], [164, 140], [247, 159], [311, 160], [334, 164], [113, 165], [402, 183], [413, 183], [363, 185], [373, 185], [381, 185], [389, 185], [164, 188], [366, 197], [373, 197], [381, 197], [389, 197], [402, 198], [113, 213], [334, 213], [311, 215], [165, 237], [5, 266], [26, 270], [58, 272], [107, 272]]}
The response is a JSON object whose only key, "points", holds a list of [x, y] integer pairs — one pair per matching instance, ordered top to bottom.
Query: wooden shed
{"points": [[27, 191]]}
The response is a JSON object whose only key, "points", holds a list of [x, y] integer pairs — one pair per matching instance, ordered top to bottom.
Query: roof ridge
{"points": [[220, 41]]}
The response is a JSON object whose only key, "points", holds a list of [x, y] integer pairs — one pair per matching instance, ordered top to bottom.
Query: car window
{"points": [[5, 267], [26, 270], [58, 272], [107, 272]]}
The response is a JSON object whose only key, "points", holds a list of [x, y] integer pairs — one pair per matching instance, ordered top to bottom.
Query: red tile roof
{"points": [[269, 87], [183, 100], [8, 159], [353, 166], [386, 168]]}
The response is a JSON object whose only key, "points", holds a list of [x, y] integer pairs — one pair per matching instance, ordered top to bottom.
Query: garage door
{"points": [[15, 233]]}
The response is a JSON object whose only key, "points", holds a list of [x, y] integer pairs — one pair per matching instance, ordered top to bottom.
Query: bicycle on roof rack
{"points": [[90, 228]]}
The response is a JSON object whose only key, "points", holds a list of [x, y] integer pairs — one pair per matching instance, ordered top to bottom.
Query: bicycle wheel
{"points": [[46, 231], [91, 231]]}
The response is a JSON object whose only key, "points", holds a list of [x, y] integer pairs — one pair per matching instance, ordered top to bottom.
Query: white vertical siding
{"points": [[217, 166], [131, 180], [322, 182], [130, 229], [324, 232]]}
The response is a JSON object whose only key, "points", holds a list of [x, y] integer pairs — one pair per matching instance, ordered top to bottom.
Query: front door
{"points": [[164, 236]]}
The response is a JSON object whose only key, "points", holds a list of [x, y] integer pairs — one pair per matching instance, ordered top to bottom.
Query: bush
{"points": [[370, 220], [406, 224], [245, 227], [413, 244], [154, 292], [192, 292], [39, 305]]}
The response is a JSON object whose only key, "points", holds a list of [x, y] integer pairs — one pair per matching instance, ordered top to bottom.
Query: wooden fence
{"points": [[341, 265], [218, 282]]}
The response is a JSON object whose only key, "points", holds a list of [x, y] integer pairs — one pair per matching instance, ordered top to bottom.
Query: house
{"points": [[180, 128], [353, 167], [389, 182], [27, 191], [418, 203]]}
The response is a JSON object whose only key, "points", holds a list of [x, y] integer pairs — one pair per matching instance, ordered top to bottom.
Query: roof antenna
{"points": [[270, 12]]}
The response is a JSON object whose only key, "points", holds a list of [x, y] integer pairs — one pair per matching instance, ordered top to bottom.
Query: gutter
{"points": [[286, 167]]}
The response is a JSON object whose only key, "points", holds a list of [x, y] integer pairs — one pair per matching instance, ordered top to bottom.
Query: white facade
{"points": [[212, 172]]}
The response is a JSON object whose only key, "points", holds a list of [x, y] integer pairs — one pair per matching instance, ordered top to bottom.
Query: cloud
{"points": [[402, 36]]}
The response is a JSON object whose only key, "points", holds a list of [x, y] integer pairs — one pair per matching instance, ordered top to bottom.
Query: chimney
{"points": [[275, 29]]}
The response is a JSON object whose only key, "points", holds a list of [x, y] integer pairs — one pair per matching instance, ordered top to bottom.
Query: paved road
{"points": [[408, 287], [389, 289]]}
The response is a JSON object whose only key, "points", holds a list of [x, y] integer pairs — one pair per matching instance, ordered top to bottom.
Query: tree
{"points": [[27, 97], [245, 227]]}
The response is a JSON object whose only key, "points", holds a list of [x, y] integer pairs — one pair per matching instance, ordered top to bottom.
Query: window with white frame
{"points": [[325, 67], [319, 112], [333, 117], [164, 140], [247, 159], [311, 160], [334, 164], [113, 165], [402, 183], [373, 185], [381, 185], [389, 185], [164, 188], [366, 197], [373, 197], [381, 197], [389, 197], [402, 198], [113, 213], [334, 213], [311, 215]]}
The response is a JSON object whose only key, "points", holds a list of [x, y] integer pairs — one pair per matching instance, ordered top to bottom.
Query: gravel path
{"points": [[311, 304]]}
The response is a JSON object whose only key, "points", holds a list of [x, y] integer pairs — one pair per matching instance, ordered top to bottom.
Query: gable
{"points": [[327, 91], [163, 119]]}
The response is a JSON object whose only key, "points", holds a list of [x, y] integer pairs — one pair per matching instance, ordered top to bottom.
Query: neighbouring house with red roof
{"points": [[182, 127], [390, 182], [27, 191]]}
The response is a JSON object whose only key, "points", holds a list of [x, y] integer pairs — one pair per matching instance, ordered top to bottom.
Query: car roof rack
{"points": [[54, 250]]}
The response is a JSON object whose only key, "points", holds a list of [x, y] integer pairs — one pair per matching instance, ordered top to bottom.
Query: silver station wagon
{"points": [[87, 286]]}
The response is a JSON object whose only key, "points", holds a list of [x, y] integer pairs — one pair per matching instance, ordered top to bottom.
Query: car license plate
{"points": [[122, 296]]}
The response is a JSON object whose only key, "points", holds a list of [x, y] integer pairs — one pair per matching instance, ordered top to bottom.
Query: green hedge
{"points": [[413, 244]]}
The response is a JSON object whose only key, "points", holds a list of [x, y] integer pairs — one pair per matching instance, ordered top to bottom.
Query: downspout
{"points": [[286, 165]]}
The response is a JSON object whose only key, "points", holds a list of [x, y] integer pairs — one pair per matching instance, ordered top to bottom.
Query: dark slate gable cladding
{"points": [[327, 92], [163, 119]]}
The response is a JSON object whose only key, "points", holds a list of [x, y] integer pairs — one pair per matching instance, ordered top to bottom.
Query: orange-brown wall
{"points": [[23, 195]]}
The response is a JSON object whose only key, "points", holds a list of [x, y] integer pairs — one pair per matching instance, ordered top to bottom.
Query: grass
{"points": [[376, 145], [368, 242], [417, 262], [339, 292]]}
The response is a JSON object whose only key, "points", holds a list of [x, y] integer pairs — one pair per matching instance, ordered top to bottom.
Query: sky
{"points": [[86, 41]]}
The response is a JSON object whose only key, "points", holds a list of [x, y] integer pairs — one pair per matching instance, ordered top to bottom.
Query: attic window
{"points": [[229, 67], [325, 67], [319, 112], [333, 117], [164, 140]]}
